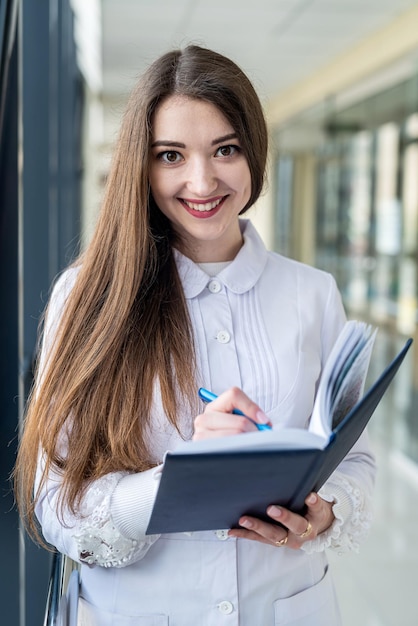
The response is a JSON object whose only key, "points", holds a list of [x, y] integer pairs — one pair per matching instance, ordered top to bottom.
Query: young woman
{"points": [[176, 291]]}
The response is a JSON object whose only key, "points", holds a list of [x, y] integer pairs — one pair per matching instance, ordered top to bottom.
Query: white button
{"points": [[214, 286], [223, 336], [222, 534], [226, 607]]}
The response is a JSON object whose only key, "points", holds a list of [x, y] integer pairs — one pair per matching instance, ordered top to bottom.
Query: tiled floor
{"points": [[379, 586]]}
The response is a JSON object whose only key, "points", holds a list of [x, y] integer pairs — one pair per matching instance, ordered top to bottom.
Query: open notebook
{"points": [[209, 484]]}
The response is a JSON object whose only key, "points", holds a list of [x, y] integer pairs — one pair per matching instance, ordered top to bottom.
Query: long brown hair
{"points": [[125, 325]]}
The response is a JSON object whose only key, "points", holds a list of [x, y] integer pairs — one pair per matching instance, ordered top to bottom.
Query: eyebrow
{"points": [[224, 138], [170, 144], [178, 144]]}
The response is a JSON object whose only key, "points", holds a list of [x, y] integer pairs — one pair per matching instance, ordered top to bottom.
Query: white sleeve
{"points": [[350, 488], [112, 517]]}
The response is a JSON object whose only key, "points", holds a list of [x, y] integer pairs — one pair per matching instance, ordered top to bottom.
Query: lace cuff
{"points": [[353, 517], [99, 542], [104, 545]]}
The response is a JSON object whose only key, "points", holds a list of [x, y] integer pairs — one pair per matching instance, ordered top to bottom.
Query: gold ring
{"points": [[307, 531], [282, 542]]}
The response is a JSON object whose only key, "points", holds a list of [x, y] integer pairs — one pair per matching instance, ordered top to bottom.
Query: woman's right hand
{"points": [[217, 420]]}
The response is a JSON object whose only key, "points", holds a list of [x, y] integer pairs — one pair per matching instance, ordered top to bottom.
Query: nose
{"points": [[202, 180]]}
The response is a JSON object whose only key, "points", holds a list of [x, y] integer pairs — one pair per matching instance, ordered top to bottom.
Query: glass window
{"points": [[412, 127], [410, 198], [284, 199], [388, 213], [359, 262]]}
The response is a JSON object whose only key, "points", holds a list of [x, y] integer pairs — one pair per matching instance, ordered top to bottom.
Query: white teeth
{"points": [[208, 206]]}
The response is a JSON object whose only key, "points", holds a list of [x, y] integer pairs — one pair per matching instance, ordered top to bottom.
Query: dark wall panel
{"points": [[40, 171], [9, 333]]}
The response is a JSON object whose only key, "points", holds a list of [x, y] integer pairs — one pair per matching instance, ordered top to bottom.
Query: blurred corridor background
{"points": [[339, 83]]}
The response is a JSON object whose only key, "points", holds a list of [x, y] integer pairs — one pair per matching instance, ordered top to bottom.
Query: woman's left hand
{"points": [[297, 529]]}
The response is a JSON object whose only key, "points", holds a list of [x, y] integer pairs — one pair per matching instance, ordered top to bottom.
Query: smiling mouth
{"points": [[202, 207]]}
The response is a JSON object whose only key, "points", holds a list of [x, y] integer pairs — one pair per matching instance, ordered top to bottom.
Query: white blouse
{"points": [[266, 324]]}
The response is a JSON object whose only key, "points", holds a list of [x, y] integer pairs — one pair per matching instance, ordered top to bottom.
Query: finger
{"points": [[235, 398], [215, 421], [211, 425], [213, 434], [313, 502], [320, 512], [296, 524], [301, 529], [265, 532], [241, 533]]}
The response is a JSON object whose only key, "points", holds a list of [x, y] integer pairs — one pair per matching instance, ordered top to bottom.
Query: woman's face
{"points": [[199, 177]]}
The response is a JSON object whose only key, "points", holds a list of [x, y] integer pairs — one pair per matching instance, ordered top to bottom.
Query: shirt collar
{"points": [[240, 275]]}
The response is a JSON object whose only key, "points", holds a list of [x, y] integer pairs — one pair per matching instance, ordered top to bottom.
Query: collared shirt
{"points": [[266, 324]]}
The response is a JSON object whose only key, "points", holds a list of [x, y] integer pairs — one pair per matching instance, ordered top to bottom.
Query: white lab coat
{"points": [[266, 324]]}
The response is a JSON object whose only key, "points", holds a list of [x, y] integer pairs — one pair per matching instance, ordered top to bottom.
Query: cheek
{"points": [[243, 179]]}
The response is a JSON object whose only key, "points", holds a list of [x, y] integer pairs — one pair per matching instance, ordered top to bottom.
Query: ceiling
{"points": [[277, 42]]}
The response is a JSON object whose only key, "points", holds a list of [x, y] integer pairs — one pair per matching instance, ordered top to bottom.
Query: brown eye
{"points": [[226, 151], [170, 157]]}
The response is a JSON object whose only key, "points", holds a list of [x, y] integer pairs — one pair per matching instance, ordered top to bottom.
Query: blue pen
{"points": [[208, 396]]}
